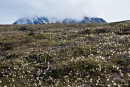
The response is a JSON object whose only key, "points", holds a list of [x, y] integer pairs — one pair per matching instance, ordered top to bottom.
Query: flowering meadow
{"points": [[65, 55]]}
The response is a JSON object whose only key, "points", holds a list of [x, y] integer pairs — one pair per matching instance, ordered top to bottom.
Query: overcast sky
{"points": [[110, 10]]}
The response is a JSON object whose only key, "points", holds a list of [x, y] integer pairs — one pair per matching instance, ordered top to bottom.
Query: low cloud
{"points": [[51, 8], [65, 8], [110, 10]]}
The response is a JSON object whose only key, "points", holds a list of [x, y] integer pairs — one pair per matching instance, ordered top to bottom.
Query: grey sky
{"points": [[110, 10]]}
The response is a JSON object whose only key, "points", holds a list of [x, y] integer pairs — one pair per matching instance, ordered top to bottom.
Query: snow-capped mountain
{"points": [[45, 20], [92, 20]]}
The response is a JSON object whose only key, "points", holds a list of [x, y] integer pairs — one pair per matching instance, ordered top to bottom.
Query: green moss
{"points": [[42, 36]]}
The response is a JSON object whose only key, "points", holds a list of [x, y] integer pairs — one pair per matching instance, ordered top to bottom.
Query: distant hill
{"points": [[45, 20]]}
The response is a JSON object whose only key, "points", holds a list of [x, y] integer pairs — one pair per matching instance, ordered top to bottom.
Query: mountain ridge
{"points": [[45, 20]]}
